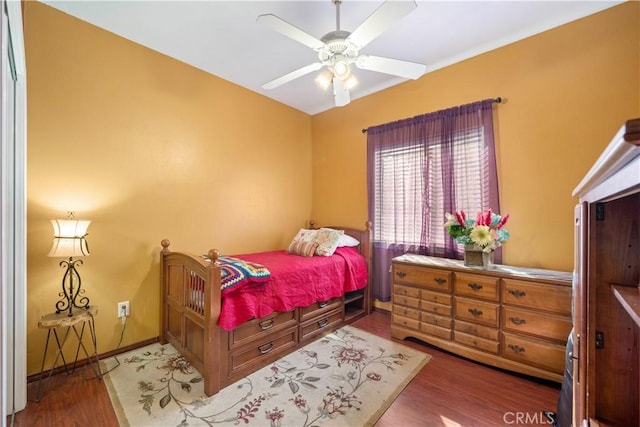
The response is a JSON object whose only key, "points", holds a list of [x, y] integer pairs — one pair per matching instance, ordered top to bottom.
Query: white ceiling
{"points": [[224, 39]]}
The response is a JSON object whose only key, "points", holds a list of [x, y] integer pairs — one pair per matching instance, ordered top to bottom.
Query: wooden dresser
{"points": [[509, 317]]}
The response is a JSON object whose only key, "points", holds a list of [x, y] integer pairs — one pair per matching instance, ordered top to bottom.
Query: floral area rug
{"points": [[347, 378]]}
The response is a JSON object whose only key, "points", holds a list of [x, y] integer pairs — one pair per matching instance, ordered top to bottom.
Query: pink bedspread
{"points": [[296, 281]]}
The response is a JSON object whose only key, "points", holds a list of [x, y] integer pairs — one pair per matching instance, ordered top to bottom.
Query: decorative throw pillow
{"points": [[306, 235], [327, 239], [346, 240], [304, 243], [300, 247]]}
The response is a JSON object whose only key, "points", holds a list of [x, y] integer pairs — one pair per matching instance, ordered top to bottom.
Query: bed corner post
{"points": [[368, 256], [163, 285], [214, 335]]}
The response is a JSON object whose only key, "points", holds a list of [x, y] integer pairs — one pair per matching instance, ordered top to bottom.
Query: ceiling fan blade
{"points": [[382, 18], [289, 30], [396, 67], [292, 75], [340, 93]]}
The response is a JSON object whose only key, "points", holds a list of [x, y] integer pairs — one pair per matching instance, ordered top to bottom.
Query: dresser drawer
{"points": [[428, 278], [484, 287], [405, 291], [537, 295], [437, 297], [406, 301], [432, 307], [318, 308], [477, 311], [411, 313], [434, 319], [406, 322], [544, 325], [317, 326], [256, 328], [437, 331], [481, 331], [477, 342], [534, 352], [245, 357]]}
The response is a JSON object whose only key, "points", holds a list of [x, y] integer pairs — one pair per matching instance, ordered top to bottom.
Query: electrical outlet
{"points": [[123, 309]]}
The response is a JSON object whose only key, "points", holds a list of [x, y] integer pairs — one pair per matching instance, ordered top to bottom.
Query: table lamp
{"points": [[69, 241]]}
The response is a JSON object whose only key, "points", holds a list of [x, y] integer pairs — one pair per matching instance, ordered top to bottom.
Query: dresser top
{"points": [[497, 269]]}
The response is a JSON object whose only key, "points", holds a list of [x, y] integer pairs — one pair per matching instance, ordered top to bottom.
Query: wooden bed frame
{"points": [[190, 307]]}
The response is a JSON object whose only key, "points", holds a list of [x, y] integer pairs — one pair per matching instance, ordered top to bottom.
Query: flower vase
{"points": [[474, 256]]}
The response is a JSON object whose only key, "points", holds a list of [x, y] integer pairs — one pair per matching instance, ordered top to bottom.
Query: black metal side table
{"points": [[69, 326]]}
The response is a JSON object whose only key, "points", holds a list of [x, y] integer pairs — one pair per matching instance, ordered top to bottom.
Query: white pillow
{"points": [[327, 239], [346, 240]]}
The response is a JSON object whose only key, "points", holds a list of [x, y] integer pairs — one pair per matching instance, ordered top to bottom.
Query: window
{"points": [[420, 168], [406, 193]]}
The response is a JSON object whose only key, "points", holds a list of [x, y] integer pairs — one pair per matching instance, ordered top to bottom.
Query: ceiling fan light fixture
{"points": [[341, 69], [324, 78], [351, 82]]}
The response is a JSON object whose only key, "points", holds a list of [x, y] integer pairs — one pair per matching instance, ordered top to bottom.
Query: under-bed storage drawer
{"points": [[318, 308], [318, 326], [255, 328], [244, 359]]}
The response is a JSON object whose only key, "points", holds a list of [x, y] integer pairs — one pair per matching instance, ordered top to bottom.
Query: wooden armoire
{"points": [[606, 305]]}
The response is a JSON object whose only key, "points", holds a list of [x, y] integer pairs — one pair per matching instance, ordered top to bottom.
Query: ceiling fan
{"points": [[338, 49]]}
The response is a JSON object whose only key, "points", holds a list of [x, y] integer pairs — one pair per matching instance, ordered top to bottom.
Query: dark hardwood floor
{"points": [[448, 392]]}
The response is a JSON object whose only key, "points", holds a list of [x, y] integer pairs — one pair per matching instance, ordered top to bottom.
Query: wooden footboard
{"points": [[190, 296], [190, 308]]}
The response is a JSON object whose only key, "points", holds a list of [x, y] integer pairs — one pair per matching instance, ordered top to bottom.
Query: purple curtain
{"points": [[422, 163]]}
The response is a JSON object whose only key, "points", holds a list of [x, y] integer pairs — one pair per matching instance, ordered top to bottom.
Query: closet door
{"points": [[13, 348]]}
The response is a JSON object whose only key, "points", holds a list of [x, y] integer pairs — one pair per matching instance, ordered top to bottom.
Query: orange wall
{"points": [[567, 93], [147, 148]]}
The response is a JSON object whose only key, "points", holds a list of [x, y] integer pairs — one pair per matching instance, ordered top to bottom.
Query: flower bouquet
{"points": [[486, 230]]}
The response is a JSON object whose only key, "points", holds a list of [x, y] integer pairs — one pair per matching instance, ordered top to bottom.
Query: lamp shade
{"points": [[69, 238]]}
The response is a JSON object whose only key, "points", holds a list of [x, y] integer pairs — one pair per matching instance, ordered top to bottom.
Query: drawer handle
{"points": [[400, 274], [440, 280], [475, 286], [517, 293], [323, 304], [475, 312], [517, 320], [322, 323], [266, 324], [266, 348], [516, 348]]}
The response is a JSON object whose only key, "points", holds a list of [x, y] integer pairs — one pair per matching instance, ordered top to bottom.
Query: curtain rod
{"points": [[497, 100]]}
